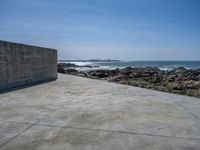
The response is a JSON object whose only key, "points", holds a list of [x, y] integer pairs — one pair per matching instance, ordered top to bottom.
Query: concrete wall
{"points": [[24, 64]]}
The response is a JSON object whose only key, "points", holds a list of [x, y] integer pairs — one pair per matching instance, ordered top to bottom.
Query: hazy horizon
{"points": [[137, 30], [93, 59]]}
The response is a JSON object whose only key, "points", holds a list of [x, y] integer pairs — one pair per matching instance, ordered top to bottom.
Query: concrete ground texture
{"points": [[74, 113]]}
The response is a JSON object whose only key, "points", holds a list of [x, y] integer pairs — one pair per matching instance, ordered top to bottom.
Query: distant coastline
{"points": [[88, 60]]}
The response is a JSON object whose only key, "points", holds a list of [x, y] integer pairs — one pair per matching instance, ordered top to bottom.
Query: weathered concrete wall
{"points": [[24, 64]]}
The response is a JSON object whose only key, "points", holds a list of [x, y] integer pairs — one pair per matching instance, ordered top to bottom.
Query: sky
{"points": [[106, 29]]}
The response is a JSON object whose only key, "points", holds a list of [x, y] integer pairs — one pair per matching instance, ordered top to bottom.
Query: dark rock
{"points": [[66, 65], [61, 70], [70, 70], [126, 71], [99, 73], [135, 75], [118, 78], [197, 78], [155, 80]]}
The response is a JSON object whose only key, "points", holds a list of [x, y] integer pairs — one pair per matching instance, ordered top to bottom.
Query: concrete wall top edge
{"points": [[44, 48]]}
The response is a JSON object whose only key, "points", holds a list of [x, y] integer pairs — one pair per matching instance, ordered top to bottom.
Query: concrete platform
{"points": [[75, 113]]}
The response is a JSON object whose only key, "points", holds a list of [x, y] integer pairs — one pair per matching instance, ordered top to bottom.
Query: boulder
{"points": [[66, 65], [99, 73]]}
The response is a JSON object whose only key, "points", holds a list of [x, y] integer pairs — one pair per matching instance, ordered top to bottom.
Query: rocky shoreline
{"points": [[179, 81]]}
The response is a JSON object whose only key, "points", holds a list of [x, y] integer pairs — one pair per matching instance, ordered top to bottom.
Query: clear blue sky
{"points": [[116, 29]]}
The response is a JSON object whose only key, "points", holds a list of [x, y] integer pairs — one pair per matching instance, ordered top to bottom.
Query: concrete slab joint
{"points": [[76, 113]]}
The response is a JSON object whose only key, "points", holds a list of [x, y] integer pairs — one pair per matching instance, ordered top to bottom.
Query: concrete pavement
{"points": [[75, 113]]}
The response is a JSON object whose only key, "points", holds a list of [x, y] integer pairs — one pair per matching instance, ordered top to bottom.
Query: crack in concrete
{"points": [[194, 115], [101, 130], [123, 132], [20, 133]]}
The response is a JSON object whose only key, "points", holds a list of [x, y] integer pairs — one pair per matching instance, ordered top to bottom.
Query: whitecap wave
{"points": [[110, 65]]}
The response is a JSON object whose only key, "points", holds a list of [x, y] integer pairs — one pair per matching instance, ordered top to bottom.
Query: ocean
{"points": [[113, 64]]}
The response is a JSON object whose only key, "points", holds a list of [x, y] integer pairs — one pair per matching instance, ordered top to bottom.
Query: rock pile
{"points": [[180, 80]]}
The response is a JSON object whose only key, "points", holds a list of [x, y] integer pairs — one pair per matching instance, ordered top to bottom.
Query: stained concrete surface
{"points": [[75, 113]]}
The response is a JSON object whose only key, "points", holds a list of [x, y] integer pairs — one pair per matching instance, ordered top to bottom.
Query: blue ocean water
{"points": [[113, 64], [165, 65]]}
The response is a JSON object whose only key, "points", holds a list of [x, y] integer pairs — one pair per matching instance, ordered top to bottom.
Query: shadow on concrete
{"points": [[26, 86]]}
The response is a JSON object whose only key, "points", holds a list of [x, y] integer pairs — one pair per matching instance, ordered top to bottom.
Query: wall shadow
{"points": [[26, 86]]}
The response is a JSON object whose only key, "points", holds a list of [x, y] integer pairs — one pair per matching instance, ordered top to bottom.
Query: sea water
{"points": [[113, 64]]}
